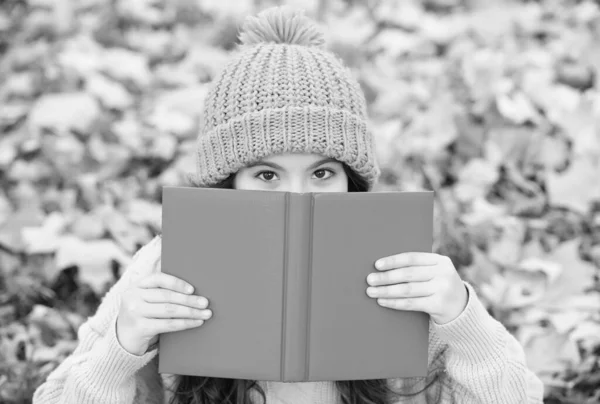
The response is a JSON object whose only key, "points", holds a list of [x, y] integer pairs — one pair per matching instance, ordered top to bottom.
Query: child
{"points": [[286, 115]]}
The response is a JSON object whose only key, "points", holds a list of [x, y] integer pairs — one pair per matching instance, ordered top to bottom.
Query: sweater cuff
{"points": [[474, 334], [118, 365]]}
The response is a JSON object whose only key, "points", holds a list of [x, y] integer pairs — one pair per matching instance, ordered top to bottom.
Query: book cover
{"points": [[285, 274]]}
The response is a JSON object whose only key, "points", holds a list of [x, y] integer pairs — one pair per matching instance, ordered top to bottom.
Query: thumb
{"points": [[147, 259]]}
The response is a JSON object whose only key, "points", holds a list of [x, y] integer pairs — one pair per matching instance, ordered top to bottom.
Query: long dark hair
{"points": [[215, 390]]}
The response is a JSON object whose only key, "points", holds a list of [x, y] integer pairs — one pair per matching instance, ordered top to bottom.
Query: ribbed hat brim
{"points": [[307, 129]]}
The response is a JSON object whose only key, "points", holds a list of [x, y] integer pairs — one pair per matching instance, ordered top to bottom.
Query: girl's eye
{"points": [[321, 172], [268, 175]]}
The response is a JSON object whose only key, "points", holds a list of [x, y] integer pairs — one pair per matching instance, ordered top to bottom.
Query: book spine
{"points": [[309, 272], [296, 281]]}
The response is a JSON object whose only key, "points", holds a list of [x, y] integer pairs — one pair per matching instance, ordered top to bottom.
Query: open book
{"points": [[285, 275]]}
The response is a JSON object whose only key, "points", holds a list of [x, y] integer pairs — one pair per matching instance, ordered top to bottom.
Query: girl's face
{"points": [[293, 172]]}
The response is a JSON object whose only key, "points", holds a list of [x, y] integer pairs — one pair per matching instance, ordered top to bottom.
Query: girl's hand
{"points": [[421, 282], [155, 304]]}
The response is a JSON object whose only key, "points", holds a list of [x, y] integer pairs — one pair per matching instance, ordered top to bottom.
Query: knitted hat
{"points": [[283, 92]]}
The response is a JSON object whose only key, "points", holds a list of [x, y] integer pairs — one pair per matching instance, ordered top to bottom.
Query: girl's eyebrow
{"points": [[278, 167]]}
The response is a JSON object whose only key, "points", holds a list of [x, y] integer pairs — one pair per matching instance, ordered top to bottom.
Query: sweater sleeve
{"points": [[484, 362], [100, 370]]}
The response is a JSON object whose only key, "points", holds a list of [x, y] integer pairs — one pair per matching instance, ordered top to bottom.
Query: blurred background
{"points": [[492, 104]]}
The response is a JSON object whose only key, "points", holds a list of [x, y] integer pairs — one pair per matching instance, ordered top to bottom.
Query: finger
{"points": [[406, 259], [399, 275], [165, 281], [402, 290], [168, 296], [409, 304], [170, 310], [160, 326]]}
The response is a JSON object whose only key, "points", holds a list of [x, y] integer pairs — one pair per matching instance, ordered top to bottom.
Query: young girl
{"points": [[287, 115]]}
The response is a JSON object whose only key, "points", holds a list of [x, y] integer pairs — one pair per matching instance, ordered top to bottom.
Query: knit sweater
{"points": [[472, 359]]}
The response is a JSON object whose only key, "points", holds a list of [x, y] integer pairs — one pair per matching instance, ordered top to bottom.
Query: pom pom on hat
{"points": [[284, 25]]}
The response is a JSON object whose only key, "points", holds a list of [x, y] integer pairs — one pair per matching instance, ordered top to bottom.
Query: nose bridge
{"points": [[296, 183]]}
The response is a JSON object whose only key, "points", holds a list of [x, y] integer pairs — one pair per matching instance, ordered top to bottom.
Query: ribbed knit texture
{"points": [[283, 92], [472, 359]]}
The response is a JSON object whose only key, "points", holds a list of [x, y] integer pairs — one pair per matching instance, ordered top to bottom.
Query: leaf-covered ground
{"points": [[493, 104]]}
